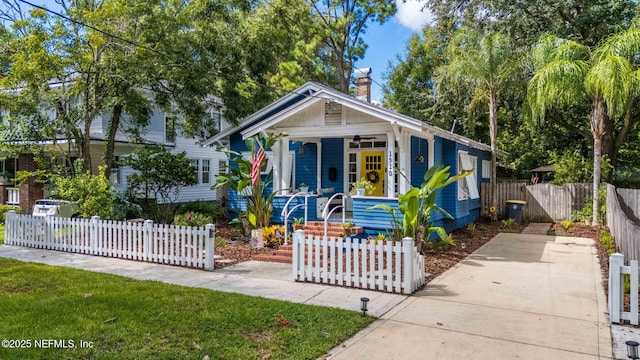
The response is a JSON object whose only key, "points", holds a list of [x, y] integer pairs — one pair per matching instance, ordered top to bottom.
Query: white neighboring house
{"points": [[163, 129]]}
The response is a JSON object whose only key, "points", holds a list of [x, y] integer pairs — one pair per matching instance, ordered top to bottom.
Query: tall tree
{"points": [[584, 21], [344, 22], [488, 63], [606, 77]]}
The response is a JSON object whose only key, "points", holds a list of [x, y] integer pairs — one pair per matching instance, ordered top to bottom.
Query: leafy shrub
{"points": [[94, 193], [124, 208], [211, 208], [4, 209], [585, 215], [192, 219], [507, 224], [566, 224], [471, 228], [273, 235], [220, 241], [607, 241]]}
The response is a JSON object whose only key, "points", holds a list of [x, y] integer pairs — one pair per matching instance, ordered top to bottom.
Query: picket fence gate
{"points": [[147, 241], [388, 266], [617, 272]]}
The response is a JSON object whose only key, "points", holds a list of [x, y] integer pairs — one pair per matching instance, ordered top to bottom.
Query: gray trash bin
{"points": [[514, 210]]}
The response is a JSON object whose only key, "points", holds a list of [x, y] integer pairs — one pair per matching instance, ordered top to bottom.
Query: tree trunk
{"points": [[597, 122], [493, 130], [109, 145], [85, 148]]}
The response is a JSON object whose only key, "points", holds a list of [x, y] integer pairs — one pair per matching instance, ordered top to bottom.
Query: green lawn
{"points": [[132, 319]]}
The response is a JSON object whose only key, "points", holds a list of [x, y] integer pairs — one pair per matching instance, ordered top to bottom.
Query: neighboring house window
{"points": [[170, 129], [196, 164], [8, 167], [222, 167], [486, 169], [206, 170], [116, 176], [467, 186]]}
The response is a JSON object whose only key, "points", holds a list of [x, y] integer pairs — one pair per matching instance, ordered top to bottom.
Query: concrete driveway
{"points": [[518, 297]]}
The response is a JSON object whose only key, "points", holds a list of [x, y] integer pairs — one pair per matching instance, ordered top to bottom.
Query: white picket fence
{"points": [[156, 243], [394, 267], [617, 271]]}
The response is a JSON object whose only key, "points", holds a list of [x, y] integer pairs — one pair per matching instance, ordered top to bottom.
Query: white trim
{"points": [[336, 130], [390, 159], [468, 162], [486, 169]]}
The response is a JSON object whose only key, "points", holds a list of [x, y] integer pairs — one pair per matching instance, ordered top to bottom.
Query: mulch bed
{"points": [[436, 262]]}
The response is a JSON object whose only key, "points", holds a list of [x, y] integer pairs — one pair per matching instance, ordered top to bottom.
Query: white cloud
{"points": [[410, 14]]}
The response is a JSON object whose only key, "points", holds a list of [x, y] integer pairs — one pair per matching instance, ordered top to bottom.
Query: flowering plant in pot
{"points": [[361, 187]]}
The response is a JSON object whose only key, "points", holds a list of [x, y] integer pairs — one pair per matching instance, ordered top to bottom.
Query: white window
{"points": [[170, 129], [196, 164], [222, 167], [486, 169], [206, 170], [468, 186]]}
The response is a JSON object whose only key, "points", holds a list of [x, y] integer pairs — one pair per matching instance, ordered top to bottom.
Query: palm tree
{"points": [[488, 63], [607, 77]]}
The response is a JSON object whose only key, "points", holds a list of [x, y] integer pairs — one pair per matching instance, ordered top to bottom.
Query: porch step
{"points": [[284, 254]]}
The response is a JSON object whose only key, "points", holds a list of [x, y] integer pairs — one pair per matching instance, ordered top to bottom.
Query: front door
{"points": [[372, 168]]}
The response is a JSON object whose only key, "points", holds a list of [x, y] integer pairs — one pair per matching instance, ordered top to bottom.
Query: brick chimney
{"points": [[363, 84]]}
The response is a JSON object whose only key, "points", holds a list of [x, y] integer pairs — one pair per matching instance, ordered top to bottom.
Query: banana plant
{"points": [[259, 204], [417, 206]]}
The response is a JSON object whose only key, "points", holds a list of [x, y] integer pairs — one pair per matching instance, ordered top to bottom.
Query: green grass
{"points": [[132, 319]]}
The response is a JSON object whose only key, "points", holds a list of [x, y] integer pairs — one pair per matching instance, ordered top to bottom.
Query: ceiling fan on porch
{"points": [[358, 138]]}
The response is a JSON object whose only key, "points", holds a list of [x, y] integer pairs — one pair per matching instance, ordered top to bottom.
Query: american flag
{"points": [[257, 158]]}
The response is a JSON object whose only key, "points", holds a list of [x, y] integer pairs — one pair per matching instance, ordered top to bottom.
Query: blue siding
{"points": [[418, 147], [333, 156], [306, 166], [448, 197], [279, 202], [372, 219]]}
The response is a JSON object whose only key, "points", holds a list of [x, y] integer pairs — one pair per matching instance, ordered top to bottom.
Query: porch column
{"points": [[391, 149], [430, 150], [404, 158], [284, 160], [277, 170]]}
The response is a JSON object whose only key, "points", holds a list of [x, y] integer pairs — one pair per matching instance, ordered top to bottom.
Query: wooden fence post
{"points": [[10, 225], [48, 232], [148, 232], [297, 240], [95, 246], [209, 246], [408, 249], [616, 288]]}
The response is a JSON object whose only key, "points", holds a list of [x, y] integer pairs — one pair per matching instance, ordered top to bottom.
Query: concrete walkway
{"points": [[537, 228], [517, 297]]}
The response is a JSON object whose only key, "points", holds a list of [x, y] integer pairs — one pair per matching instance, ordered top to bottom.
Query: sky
{"points": [[389, 40], [385, 42]]}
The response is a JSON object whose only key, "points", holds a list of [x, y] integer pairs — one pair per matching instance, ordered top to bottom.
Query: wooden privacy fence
{"points": [[545, 202], [623, 228], [156, 243], [388, 266], [617, 271]]}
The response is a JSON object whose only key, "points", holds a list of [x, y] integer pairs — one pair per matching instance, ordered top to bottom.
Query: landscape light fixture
{"points": [[363, 305], [632, 349]]}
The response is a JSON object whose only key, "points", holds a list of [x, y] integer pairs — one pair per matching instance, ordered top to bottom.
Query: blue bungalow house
{"points": [[335, 139]]}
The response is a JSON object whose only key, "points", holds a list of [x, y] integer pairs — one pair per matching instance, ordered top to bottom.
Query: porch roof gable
{"points": [[311, 93]]}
